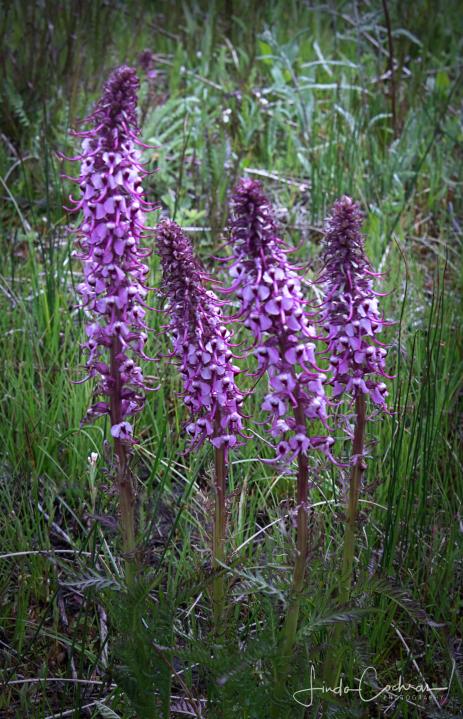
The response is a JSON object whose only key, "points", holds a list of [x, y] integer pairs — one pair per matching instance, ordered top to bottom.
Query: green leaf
{"points": [[266, 52], [442, 82], [106, 712]]}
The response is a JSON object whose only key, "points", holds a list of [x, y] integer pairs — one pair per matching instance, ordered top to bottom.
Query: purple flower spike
{"points": [[114, 287], [273, 308], [350, 315], [201, 343]]}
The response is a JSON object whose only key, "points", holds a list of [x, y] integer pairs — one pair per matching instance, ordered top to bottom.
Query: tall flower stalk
{"points": [[114, 287], [272, 306], [351, 321], [201, 346]]}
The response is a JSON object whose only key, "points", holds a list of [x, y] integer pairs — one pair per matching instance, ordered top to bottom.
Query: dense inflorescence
{"points": [[114, 287], [272, 306], [350, 315], [201, 343]]}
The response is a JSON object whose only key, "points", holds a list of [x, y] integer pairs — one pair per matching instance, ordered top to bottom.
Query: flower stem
{"points": [[358, 467], [123, 479], [126, 500], [352, 505], [219, 534], [288, 635]]}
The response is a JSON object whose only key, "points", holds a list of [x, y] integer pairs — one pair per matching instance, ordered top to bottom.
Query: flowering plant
{"points": [[114, 287], [272, 306], [351, 321], [201, 344]]}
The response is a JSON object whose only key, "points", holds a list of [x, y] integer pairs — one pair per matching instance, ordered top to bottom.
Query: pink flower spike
{"points": [[113, 287], [273, 308], [351, 337], [201, 342]]}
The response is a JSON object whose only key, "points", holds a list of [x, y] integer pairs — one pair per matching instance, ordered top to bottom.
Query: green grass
{"points": [[295, 96]]}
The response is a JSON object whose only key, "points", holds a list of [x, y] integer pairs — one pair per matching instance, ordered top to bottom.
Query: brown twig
{"points": [[391, 68]]}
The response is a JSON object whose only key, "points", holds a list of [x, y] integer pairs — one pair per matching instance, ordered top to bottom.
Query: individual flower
{"points": [[114, 287], [272, 307], [349, 315], [201, 343]]}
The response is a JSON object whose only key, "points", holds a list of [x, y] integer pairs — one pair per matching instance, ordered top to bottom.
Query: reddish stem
{"points": [[358, 468], [123, 478], [219, 529], [289, 630]]}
